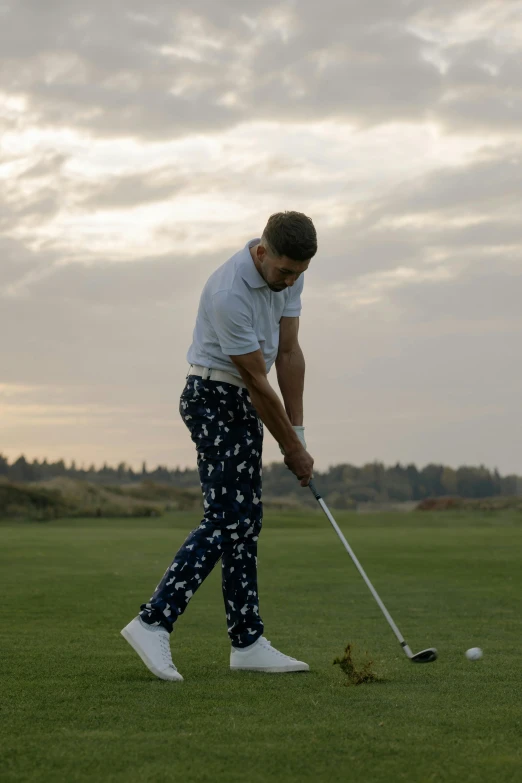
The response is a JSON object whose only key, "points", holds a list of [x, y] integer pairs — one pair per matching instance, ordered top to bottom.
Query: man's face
{"points": [[279, 272]]}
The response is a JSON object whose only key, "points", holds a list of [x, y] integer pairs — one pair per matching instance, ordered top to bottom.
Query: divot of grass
{"points": [[355, 675]]}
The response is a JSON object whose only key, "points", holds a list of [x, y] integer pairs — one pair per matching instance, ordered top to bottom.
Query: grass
{"points": [[77, 704]]}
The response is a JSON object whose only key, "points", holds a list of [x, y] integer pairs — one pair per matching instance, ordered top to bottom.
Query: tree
{"points": [[21, 470], [448, 482]]}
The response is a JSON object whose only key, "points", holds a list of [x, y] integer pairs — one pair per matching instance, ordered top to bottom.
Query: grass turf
{"points": [[77, 704]]}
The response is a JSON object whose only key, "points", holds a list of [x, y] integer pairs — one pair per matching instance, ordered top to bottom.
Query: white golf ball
{"points": [[474, 654]]}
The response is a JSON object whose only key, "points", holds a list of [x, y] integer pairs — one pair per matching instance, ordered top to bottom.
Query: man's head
{"points": [[288, 244]]}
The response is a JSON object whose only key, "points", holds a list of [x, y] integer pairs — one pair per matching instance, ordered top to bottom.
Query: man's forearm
{"points": [[290, 368], [272, 414]]}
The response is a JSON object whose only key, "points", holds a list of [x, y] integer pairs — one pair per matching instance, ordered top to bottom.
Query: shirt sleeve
{"points": [[293, 303], [232, 319]]}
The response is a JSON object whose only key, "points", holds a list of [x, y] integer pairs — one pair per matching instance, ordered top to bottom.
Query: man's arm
{"points": [[252, 368], [290, 368]]}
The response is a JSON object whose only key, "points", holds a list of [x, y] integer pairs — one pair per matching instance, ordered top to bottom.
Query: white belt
{"points": [[215, 375]]}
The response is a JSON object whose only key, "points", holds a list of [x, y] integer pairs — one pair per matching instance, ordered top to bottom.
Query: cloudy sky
{"points": [[142, 144]]}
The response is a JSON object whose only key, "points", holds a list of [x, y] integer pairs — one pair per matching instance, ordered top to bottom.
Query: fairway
{"points": [[77, 704]]}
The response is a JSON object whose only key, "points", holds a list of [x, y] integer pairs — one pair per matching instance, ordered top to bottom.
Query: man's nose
{"points": [[290, 280]]}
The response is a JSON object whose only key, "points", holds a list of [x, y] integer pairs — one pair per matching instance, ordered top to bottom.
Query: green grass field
{"points": [[77, 704]]}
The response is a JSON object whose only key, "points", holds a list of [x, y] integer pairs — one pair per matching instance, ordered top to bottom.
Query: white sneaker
{"points": [[152, 643], [262, 657]]}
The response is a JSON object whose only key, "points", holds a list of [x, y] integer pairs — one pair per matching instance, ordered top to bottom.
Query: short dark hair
{"points": [[291, 234]]}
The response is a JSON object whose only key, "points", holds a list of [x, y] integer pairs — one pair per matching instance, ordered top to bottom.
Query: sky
{"points": [[141, 145]]}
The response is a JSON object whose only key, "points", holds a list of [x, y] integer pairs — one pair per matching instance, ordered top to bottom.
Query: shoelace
{"points": [[273, 649], [165, 650]]}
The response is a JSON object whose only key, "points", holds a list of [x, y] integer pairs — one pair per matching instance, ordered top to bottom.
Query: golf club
{"points": [[424, 656]]}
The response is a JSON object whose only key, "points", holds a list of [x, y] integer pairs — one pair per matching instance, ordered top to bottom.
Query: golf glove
{"points": [[299, 431]]}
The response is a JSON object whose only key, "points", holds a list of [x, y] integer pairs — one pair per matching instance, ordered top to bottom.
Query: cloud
{"points": [[169, 71], [132, 189], [30, 190], [487, 295], [416, 328]]}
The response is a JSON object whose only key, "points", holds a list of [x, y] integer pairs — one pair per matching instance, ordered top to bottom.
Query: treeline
{"points": [[343, 484]]}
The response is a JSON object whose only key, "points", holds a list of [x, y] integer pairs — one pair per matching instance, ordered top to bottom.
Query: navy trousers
{"points": [[228, 435]]}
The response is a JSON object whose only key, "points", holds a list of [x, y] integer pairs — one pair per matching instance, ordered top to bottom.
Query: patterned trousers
{"points": [[228, 435]]}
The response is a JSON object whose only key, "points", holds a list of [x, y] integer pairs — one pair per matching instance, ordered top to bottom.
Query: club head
{"points": [[425, 656]]}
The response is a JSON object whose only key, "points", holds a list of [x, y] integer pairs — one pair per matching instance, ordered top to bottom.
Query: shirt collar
{"points": [[249, 272]]}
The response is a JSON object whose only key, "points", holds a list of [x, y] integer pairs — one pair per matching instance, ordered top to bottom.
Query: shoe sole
{"points": [[146, 660], [269, 669]]}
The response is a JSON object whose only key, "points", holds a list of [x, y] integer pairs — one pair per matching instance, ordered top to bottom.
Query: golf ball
{"points": [[474, 654]]}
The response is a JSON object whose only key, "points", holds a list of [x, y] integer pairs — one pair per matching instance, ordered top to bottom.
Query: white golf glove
{"points": [[299, 431]]}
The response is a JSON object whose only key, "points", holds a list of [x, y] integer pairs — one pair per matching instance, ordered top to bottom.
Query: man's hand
{"points": [[301, 463]]}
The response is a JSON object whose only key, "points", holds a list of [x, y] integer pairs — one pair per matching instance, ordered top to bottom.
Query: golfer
{"points": [[248, 319]]}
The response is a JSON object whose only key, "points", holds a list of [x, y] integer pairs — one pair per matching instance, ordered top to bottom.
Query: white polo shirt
{"points": [[238, 313]]}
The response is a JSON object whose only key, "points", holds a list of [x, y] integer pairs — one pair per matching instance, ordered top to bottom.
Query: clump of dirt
{"points": [[497, 503], [355, 675]]}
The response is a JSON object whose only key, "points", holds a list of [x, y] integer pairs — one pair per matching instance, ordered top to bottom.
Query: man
{"points": [[248, 319]]}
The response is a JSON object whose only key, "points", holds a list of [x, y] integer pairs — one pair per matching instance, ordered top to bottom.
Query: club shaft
{"points": [[361, 571]]}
